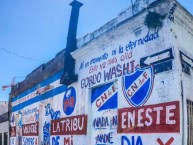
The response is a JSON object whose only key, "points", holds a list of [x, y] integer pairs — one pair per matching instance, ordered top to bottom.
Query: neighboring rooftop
{"points": [[40, 74], [3, 107], [3, 111]]}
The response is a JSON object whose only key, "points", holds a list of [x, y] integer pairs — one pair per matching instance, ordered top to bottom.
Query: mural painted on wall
{"points": [[114, 63], [137, 86], [46, 89], [39, 90], [104, 97], [69, 101], [50, 112], [104, 113], [26, 115], [30, 115], [51, 115], [157, 118], [12, 119], [20, 122], [74, 125], [104, 127], [30, 129], [68, 130], [46, 133], [30, 134], [13, 135], [145, 139], [30, 140], [56, 140], [131, 141]]}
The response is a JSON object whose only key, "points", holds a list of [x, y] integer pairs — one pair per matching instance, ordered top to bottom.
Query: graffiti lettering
{"points": [[149, 37], [127, 47], [126, 56], [99, 59], [112, 61], [81, 65], [102, 65], [93, 68], [119, 70], [113, 72], [89, 81], [41, 90], [30, 111], [51, 112], [20, 119], [101, 122], [104, 122], [114, 122], [30, 129], [46, 133], [104, 138], [55, 140], [29, 141], [68, 141], [132, 141]]}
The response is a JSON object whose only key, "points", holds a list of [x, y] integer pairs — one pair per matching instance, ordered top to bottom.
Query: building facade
{"points": [[134, 85], [4, 124]]}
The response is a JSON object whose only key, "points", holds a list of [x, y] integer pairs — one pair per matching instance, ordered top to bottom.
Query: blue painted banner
{"points": [[42, 84], [137, 87], [104, 97], [38, 98]]}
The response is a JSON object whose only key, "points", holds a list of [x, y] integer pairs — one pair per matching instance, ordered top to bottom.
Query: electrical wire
{"points": [[21, 56]]}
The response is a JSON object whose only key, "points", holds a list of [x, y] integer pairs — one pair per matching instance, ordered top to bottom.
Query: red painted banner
{"points": [[157, 118], [75, 125], [30, 129], [13, 131]]}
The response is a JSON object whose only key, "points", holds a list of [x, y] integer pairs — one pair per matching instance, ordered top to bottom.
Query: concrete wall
{"points": [[109, 67]]}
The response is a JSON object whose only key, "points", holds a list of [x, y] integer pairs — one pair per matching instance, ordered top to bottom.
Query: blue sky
{"points": [[33, 31]]}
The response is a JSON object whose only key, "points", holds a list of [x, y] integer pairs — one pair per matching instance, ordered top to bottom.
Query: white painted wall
{"points": [[159, 118]]}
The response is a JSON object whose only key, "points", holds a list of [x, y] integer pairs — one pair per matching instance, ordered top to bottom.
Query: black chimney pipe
{"points": [[69, 75]]}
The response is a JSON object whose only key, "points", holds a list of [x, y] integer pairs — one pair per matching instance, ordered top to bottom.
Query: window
{"points": [[187, 63], [186, 68], [190, 122], [5, 138], [1, 139]]}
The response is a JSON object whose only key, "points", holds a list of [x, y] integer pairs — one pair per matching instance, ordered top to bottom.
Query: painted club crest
{"points": [[137, 86], [69, 101]]}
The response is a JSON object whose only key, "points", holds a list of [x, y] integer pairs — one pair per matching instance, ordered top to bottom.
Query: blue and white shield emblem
{"points": [[137, 86]]}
